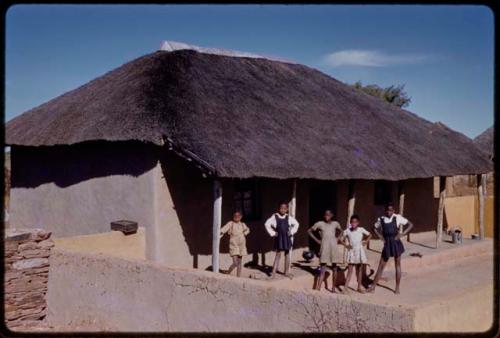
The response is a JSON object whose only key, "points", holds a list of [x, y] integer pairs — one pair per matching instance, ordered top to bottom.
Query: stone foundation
{"points": [[26, 275]]}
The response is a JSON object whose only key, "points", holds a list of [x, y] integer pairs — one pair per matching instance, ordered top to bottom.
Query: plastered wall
{"points": [[115, 294]]}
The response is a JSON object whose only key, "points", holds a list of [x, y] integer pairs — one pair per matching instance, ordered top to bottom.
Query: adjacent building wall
{"points": [[466, 185], [463, 212]]}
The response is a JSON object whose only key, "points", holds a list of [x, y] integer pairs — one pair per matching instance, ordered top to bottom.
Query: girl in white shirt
{"points": [[282, 227], [389, 229], [355, 255]]}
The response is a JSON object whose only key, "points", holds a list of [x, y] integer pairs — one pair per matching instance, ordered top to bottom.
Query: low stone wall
{"points": [[26, 275], [96, 292]]}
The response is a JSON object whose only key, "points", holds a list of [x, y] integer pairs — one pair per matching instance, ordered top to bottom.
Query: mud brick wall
{"points": [[26, 275], [99, 292]]}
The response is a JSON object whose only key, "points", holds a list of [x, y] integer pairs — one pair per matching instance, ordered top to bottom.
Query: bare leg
{"points": [[276, 263], [235, 264], [287, 264], [350, 268], [380, 269], [238, 270], [398, 273], [359, 275], [321, 277], [334, 277]]}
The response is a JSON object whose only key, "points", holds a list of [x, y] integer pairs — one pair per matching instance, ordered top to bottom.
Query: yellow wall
{"points": [[489, 209], [463, 211]]}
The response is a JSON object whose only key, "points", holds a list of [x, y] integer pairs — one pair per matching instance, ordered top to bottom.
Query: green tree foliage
{"points": [[393, 94]]}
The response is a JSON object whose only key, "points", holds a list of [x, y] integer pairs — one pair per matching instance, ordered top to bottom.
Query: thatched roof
{"points": [[248, 117], [485, 141]]}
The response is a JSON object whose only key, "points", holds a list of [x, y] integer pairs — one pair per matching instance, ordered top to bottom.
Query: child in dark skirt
{"points": [[282, 227], [387, 229]]}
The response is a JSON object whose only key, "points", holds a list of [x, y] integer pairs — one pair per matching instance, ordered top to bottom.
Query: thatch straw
{"points": [[251, 117], [485, 141]]}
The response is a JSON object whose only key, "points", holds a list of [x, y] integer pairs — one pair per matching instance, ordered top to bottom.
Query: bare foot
{"points": [[289, 275], [371, 289], [345, 290], [361, 290], [397, 292]]}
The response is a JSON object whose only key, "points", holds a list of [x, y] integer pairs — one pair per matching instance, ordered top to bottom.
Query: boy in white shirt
{"points": [[282, 227], [387, 229]]}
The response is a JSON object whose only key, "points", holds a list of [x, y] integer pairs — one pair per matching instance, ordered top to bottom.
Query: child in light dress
{"points": [[237, 231], [355, 238], [330, 253]]}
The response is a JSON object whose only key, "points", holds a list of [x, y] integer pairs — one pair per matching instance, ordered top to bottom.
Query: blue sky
{"points": [[443, 54]]}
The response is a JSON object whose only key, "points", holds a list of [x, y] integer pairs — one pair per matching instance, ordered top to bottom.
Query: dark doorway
{"points": [[322, 196]]}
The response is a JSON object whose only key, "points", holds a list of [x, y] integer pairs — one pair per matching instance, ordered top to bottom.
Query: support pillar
{"points": [[481, 184], [442, 195], [351, 200], [292, 208], [401, 209], [217, 220]]}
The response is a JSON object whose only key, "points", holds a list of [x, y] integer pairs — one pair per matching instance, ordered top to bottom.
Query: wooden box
{"points": [[127, 227]]}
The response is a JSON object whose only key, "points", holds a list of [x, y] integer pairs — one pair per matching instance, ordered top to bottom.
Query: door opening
{"points": [[322, 196]]}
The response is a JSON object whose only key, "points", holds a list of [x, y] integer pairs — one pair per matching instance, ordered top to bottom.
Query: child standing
{"points": [[282, 227], [388, 229], [237, 231], [329, 250], [355, 255]]}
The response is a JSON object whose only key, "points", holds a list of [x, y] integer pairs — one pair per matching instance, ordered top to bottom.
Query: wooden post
{"points": [[481, 183], [442, 195], [351, 200], [292, 208], [401, 209], [217, 220]]}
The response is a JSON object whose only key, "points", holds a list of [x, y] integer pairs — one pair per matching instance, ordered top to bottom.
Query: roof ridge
{"points": [[171, 46]]}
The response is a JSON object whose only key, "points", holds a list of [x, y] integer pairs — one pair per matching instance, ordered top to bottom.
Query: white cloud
{"points": [[371, 58]]}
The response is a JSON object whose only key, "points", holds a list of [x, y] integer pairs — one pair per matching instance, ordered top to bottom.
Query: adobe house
{"points": [[178, 138], [464, 185], [463, 195]]}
